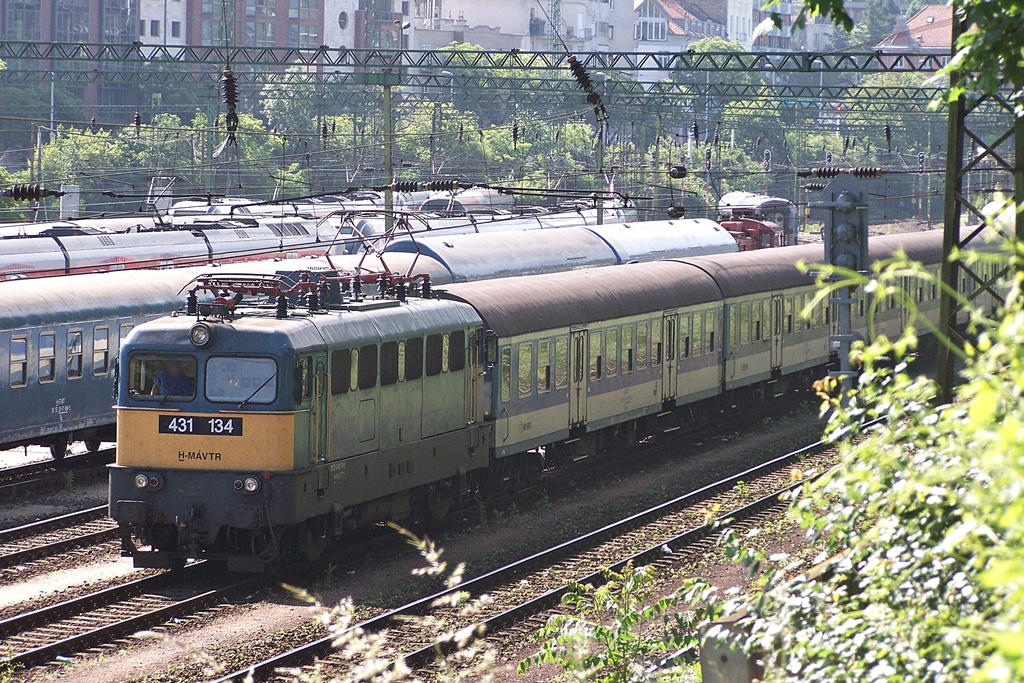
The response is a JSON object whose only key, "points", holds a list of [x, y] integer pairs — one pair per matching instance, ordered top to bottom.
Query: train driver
{"points": [[171, 381]]}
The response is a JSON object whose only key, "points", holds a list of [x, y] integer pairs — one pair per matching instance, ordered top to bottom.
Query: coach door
{"points": [[776, 331], [670, 371], [578, 377]]}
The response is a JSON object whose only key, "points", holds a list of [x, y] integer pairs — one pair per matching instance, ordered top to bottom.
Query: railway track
{"points": [[54, 475], [55, 535], [530, 585], [103, 616]]}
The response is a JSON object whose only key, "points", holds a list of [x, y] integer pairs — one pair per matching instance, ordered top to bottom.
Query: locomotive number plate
{"points": [[204, 426]]}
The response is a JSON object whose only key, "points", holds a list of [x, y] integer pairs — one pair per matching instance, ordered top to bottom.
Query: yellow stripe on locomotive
{"points": [[166, 439]]}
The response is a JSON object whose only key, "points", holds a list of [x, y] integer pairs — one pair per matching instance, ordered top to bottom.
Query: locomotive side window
{"points": [[709, 329], [698, 334], [446, 343], [655, 343], [641, 346], [627, 349], [100, 350], [611, 351], [75, 354], [434, 355], [595, 355], [47, 357], [457, 357], [414, 358], [19, 361], [401, 361], [561, 362], [388, 363], [368, 366], [543, 366], [341, 370], [353, 371], [506, 374], [525, 375], [164, 378], [252, 380], [303, 388]]}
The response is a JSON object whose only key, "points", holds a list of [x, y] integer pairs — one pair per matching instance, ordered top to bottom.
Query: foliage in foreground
{"points": [[921, 524]]}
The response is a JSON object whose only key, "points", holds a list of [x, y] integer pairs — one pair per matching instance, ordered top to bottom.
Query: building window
{"points": [[405, 7], [261, 8], [305, 10], [23, 20], [343, 20], [72, 21], [118, 21], [154, 28], [175, 29], [651, 30], [259, 34]]}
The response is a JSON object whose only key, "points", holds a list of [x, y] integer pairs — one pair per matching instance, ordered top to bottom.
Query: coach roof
{"points": [[522, 305]]}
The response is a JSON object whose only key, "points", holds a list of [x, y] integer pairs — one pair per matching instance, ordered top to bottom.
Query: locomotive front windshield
{"points": [[163, 378], [241, 380]]}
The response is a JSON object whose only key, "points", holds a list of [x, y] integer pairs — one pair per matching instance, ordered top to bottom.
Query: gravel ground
{"points": [[41, 505], [274, 620]]}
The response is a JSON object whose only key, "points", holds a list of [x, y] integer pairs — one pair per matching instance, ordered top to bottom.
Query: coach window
{"points": [[815, 313], [789, 315], [744, 323], [734, 327], [709, 330], [698, 334], [684, 336], [655, 343], [641, 346], [627, 349], [100, 350], [611, 351], [75, 354], [434, 355], [457, 355], [595, 355], [47, 357], [414, 358], [19, 361], [561, 362], [388, 363], [368, 366], [543, 366], [341, 371], [506, 374], [525, 375]]}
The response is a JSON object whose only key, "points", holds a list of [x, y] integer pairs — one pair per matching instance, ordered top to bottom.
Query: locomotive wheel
{"points": [[93, 445], [59, 448]]}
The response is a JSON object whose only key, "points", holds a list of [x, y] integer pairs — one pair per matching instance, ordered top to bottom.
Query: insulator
{"points": [[579, 72], [229, 86], [137, 119], [333, 124], [92, 125], [696, 131], [323, 132], [460, 132], [515, 135], [846, 144], [678, 171], [824, 172], [867, 172], [443, 185], [405, 186], [814, 187], [30, 192], [676, 211], [382, 284], [346, 285], [425, 287], [357, 288], [323, 291], [401, 291], [312, 301], [192, 304], [282, 306]]}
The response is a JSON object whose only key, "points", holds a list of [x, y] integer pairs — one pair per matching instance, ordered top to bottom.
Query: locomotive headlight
{"points": [[200, 335], [141, 481], [252, 485]]}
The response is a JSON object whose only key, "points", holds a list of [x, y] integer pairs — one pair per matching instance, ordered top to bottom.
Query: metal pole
{"points": [[53, 105], [657, 159], [600, 172], [1018, 179], [389, 195]]}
